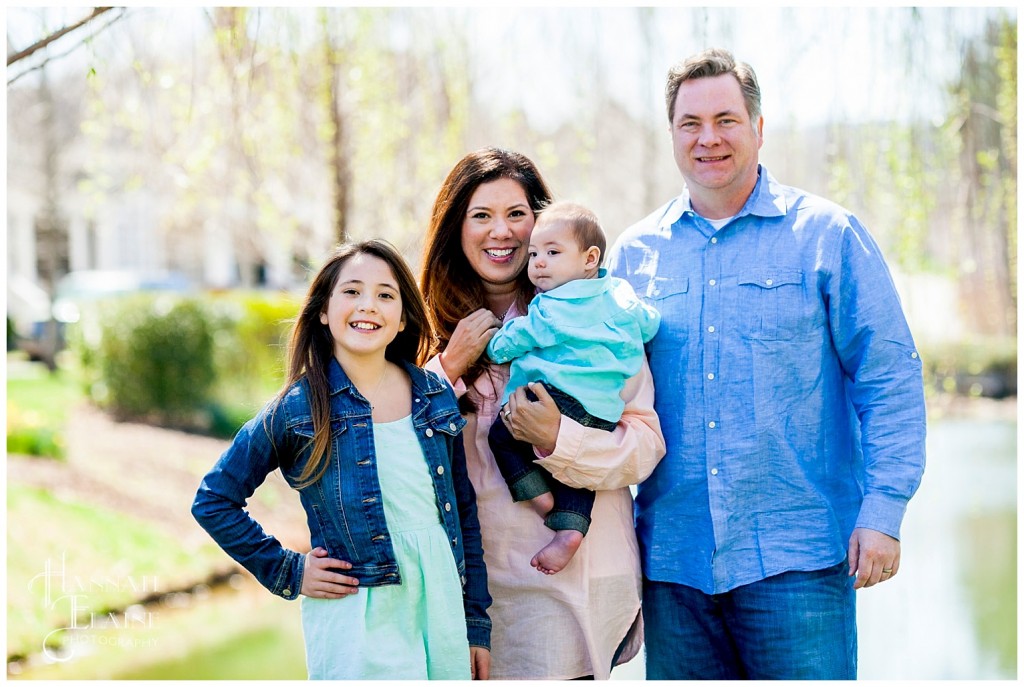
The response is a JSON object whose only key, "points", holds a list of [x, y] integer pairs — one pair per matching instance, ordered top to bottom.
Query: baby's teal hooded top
{"points": [[585, 337]]}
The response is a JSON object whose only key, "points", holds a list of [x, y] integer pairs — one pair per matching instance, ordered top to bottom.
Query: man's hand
{"points": [[874, 557]]}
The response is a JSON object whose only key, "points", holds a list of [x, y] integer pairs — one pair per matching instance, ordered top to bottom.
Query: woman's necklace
{"points": [[377, 390]]}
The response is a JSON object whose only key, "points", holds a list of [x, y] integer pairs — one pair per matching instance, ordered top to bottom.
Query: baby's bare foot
{"points": [[542, 504], [556, 555]]}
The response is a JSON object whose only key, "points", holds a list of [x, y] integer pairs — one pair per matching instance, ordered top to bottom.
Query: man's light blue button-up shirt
{"points": [[787, 383]]}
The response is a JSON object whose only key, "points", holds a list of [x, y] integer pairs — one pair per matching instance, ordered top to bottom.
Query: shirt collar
{"points": [[766, 200], [581, 288], [338, 381]]}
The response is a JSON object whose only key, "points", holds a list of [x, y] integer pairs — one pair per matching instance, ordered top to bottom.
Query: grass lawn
{"points": [[38, 402], [66, 560], [247, 634]]}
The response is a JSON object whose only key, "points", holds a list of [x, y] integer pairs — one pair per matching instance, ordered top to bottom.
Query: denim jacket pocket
{"points": [[777, 304], [449, 422], [302, 428]]}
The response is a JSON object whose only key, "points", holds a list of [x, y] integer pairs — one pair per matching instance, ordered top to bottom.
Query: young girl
{"points": [[372, 444]]}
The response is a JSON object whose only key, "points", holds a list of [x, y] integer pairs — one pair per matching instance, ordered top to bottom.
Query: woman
{"points": [[586, 618]]}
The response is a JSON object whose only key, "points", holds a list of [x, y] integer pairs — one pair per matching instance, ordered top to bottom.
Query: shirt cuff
{"points": [[434, 365], [568, 445], [882, 513], [289, 582], [478, 631]]}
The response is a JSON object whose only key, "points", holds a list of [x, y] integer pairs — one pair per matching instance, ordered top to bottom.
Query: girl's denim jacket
{"points": [[344, 508]]}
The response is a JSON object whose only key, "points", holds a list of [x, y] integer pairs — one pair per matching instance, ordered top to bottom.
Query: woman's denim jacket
{"points": [[344, 508]]}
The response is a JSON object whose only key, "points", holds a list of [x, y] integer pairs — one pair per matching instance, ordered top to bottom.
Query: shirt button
{"points": [[714, 239], [711, 281], [768, 282], [711, 328], [914, 354], [711, 375], [711, 424], [429, 432], [440, 469], [714, 471], [447, 508]]}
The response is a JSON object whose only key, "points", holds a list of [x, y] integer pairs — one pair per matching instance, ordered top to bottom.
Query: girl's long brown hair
{"points": [[451, 289], [311, 346]]}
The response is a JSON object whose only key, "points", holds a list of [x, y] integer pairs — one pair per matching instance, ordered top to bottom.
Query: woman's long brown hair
{"points": [[451, 288], [311, 346]]}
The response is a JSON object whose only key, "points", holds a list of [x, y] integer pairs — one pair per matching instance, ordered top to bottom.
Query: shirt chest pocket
{"points": [[672, 298], [774, 304]]}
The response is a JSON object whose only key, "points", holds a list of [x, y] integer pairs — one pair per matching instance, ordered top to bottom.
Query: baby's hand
{"points": [[321, 583]]}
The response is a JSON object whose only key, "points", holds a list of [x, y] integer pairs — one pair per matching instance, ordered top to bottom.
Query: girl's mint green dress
{"points": [[415, 630]]}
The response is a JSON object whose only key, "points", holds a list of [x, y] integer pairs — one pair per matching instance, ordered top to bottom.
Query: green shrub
{"points": [[250, 342], [156, 358], [203, 364], [972, 367], [29, 440]]}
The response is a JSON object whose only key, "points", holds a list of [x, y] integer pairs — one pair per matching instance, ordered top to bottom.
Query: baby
{"points": [[583, 336]]}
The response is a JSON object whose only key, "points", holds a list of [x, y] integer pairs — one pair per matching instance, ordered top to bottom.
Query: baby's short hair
{"points": [[586, 228]]}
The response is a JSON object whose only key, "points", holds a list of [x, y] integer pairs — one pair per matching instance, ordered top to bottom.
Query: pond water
{"points": [[951, 613]]}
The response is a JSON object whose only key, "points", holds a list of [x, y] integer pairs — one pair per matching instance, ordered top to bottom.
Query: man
{"points": [[791, 398]]}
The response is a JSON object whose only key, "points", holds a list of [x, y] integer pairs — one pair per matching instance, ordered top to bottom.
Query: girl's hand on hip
{"points": [[468, 341], [535, 422], [319, 582], [480, 663]]}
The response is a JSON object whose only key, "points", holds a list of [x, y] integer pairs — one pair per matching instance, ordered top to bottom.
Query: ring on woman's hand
{"points": [[506, 412], [887, 571]]}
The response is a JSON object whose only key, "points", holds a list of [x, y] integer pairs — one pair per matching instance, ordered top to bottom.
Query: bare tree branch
{"points": [[38, 45], [42, 64]]}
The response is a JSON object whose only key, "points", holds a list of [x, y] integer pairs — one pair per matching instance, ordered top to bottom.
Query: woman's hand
{"points": [[468, 341], [535, 422], [321, 583], [480, 663]]}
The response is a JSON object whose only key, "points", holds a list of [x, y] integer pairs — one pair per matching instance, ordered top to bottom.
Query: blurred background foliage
{"points": [[234, 146]]}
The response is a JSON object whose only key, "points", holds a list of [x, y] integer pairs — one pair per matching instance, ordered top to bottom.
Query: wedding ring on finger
{"points": [[887, 571]]}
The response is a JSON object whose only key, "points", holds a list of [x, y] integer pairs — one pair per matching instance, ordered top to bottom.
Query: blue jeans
{"points": [[525, 480], [792, 626]]}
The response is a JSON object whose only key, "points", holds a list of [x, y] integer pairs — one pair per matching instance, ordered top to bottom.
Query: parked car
{"points": [[40, 325], [30, 327]]}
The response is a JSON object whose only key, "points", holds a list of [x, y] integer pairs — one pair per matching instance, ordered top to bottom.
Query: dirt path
{"points": [[150, 473]]}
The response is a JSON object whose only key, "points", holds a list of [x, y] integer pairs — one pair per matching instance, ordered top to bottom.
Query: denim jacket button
{"points": [[451, 426], [429, 432], [440, 469], [447, 507], [286, 592]]}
